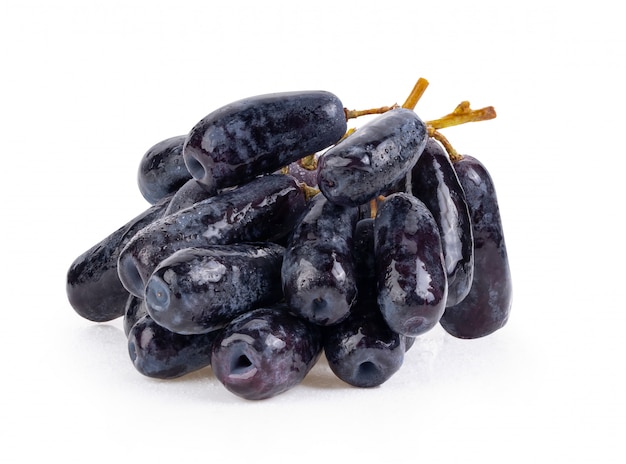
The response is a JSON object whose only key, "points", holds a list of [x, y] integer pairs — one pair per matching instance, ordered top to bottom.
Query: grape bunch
{"points": [[276, 235]]}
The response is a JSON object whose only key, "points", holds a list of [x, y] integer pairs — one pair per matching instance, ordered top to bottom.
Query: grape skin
{"points": [[261, 134], [368, 162], [162, 170], [434, 181], [190, 193], [263, 209], [318, 277], [412, 283], [93, 286], [197, 290], [487, 306], [135, 309], [362, 350], [265, 352], [159, 353]]}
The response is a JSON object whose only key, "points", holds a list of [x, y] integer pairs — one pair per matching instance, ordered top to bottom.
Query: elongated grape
{"points": [[260, 134], [368, 162], [162, 170], [434, 181], [190, 193], [263, 209], [365, 264], [318, 268], [412, 284], [93, 286], [197, 290], [487, 306], [135, 309], [362, 350], [265, 352], [159, 353]]}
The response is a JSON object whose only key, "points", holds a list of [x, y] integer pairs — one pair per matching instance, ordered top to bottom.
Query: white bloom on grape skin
{"points": [[449, 219], [337, 270], [212, 272], [274, 342]]}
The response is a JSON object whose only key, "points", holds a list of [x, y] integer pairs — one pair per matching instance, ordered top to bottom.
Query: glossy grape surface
{"points": [[260, 134], [368, 162], [162, 170], [434, 181], [190, 193], [263, 209], [318, 267], [412, 284], [93, 286], [197, 290], [487, 306], [135, 309], [362, 350], [265, 352], [159, 353]]}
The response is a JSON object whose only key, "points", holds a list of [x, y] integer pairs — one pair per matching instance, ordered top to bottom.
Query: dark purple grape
{"points": [[261, 134], [370, 161], [162, 170], [435, 182], [190, 193], [266, 208], [318, 267], [412, 284], [93, 286], [197, 290], [487, 306], [135, 309], [362, 350], [265, 352], [159, 353]]}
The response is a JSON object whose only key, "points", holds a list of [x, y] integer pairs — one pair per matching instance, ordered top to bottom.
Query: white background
{"points": [[87, 87]]}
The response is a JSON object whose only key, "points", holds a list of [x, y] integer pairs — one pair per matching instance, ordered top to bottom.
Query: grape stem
{"points": [[418, 90], [410, 103], [352, 114], [463, 114], [452, 153]]}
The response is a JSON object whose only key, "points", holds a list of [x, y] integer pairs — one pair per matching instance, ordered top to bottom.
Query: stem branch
{"points": [[418, 90], [463, 114]]}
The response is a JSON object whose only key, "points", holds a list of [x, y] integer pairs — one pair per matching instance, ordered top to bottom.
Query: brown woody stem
{"points": [[418, 90], [351, 114], [463, 114], [452, 153]]}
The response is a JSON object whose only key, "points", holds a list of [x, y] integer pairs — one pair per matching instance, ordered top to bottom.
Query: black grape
{"points": [[261, 134], [368, 162], [162, 170], [435, 182], [190, 193], [263, 209], [318, 268], [412, 284], [93, 286], [197, 290], [487, 306], [135, 309], [362, 350], [265, 352], [159, 353]]}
